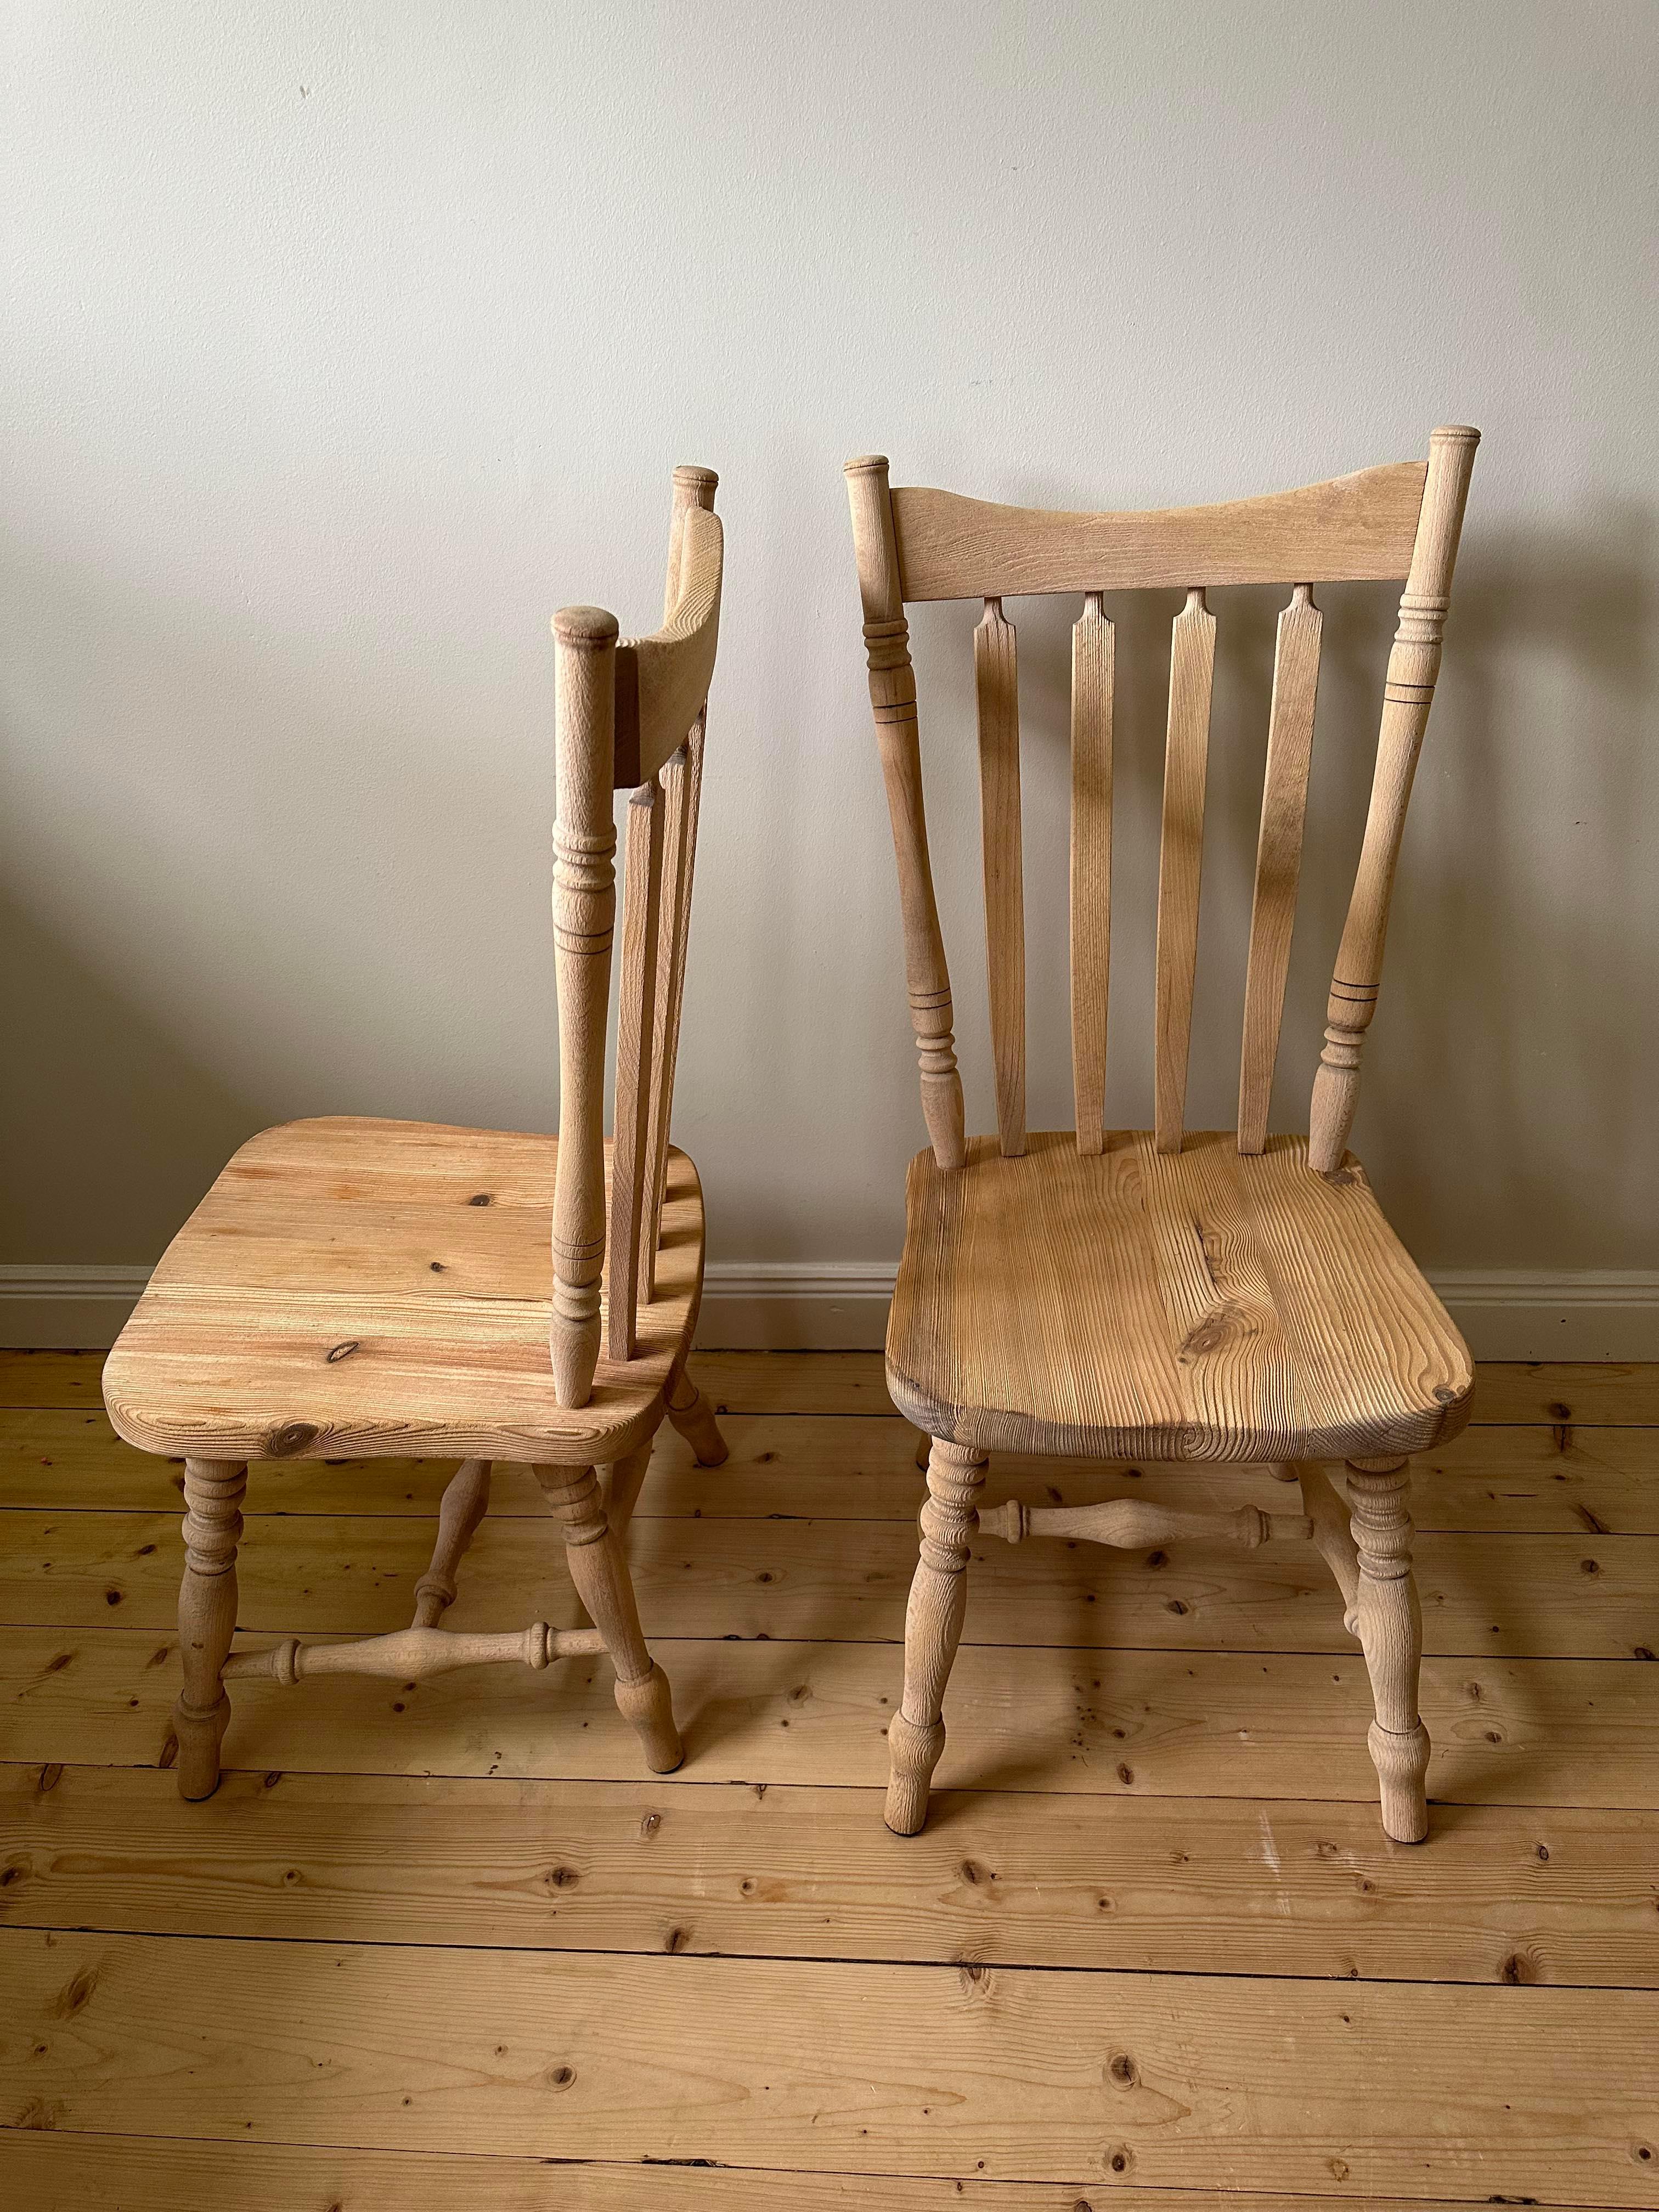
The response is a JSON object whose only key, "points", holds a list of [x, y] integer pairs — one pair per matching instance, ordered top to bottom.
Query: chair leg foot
{"points": [[691, 1414], [1390, 1627], [932, 1629], [649, 1705], [199, 1735], [914, 1752], [1402, 1767]]}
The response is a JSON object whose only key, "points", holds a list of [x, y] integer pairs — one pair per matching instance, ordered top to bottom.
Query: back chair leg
{"points": [[689, 1410], [214, 1490], [622, 1491], [460, 1513], [599, 1568], [1390, 1627], [932, 1629]]}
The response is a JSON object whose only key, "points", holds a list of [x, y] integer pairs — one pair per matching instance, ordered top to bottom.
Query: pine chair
{"points": [[385, 1288], [1152, 1294]]}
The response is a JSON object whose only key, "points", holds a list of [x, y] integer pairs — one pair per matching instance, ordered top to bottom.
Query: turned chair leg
{"points": [[690, 1413], [214, 1490], [623, 1490], [460, 1513], [599, 1568], [932, 1629], [1390, 1629]]}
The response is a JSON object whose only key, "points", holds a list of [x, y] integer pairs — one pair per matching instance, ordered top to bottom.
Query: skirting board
{"points": [[790, 1305]]}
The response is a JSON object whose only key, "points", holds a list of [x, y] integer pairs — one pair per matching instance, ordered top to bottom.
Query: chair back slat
{"points": [[1398, 521], [1352, 528], [996, 683], [1092, 685], [631, 713], [680, 781], [1279, 858], [1180, 860], [635, 1033]]}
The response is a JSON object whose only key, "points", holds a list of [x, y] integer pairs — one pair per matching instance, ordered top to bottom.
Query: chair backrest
{"points": [[1398, 521], [630, 717]]}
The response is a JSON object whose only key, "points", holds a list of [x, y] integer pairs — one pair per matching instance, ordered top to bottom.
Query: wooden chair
{"points": [[386, 1289], [1151, 1295]]}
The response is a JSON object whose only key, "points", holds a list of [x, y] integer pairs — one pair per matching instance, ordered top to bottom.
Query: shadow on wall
{"points": [[98, 1102], [1503, 1111]]}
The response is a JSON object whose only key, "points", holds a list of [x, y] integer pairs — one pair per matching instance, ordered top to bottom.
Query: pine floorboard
{"points": [[443, 1945]]}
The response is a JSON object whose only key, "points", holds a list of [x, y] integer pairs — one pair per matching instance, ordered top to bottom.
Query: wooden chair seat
{"points": [[370, 1289], [1204, 1304]]}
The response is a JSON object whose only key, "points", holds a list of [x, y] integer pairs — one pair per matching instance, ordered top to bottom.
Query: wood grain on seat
{"points": [[381, 1289], [1204, 1304]]}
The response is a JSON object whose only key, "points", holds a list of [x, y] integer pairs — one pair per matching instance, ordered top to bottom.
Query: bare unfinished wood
{"points": [[1351, 528], [1413, 669], [662, 681], [1092, 681], [997, 685], [893, 704], [678, 785], [1181, 857], [1279, 858], [630, 1167], [356, 1286], [381, 1289], [1204, 1304], [689, 1411], [1561, 1479], [465, 1502], [1130, 1522], [1332, 1534], [599, 1568], [783, 1577], [207, 1617], [1390, 1627], [933, 1630], [416, 1654], [1132, 1722], [1012, 1877], [192, 2039]]}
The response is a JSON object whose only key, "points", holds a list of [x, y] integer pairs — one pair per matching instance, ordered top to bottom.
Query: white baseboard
{"points": [[1517, 1313]]}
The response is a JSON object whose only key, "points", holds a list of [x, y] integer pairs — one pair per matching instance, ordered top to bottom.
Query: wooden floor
{"points": [[448, 1947]]}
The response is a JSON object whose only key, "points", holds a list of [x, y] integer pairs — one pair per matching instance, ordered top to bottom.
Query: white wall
{"points": [[350, 339]]}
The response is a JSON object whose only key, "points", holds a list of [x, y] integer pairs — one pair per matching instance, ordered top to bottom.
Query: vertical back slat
{"points": [[1092, 678], [996, 683], [681, 781], [1181, 853], [1278, 859], [641, 905]]}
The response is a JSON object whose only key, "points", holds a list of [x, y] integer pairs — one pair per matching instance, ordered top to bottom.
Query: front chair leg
{"points": [[689, 1411], [214, 1490], [599, 1568], [1390, 1628], [932, 1629]]}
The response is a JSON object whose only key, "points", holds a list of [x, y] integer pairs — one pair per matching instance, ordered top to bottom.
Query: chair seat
{"points": [[371, 1289], [1196, 1305]]}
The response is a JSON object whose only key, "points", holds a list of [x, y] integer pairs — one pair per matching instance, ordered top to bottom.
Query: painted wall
{"points": [[350, 339]]}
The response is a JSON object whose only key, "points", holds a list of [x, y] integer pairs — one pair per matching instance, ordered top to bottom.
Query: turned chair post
{"points": [[1413, 670], [893, 704], [214, 1490]]}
